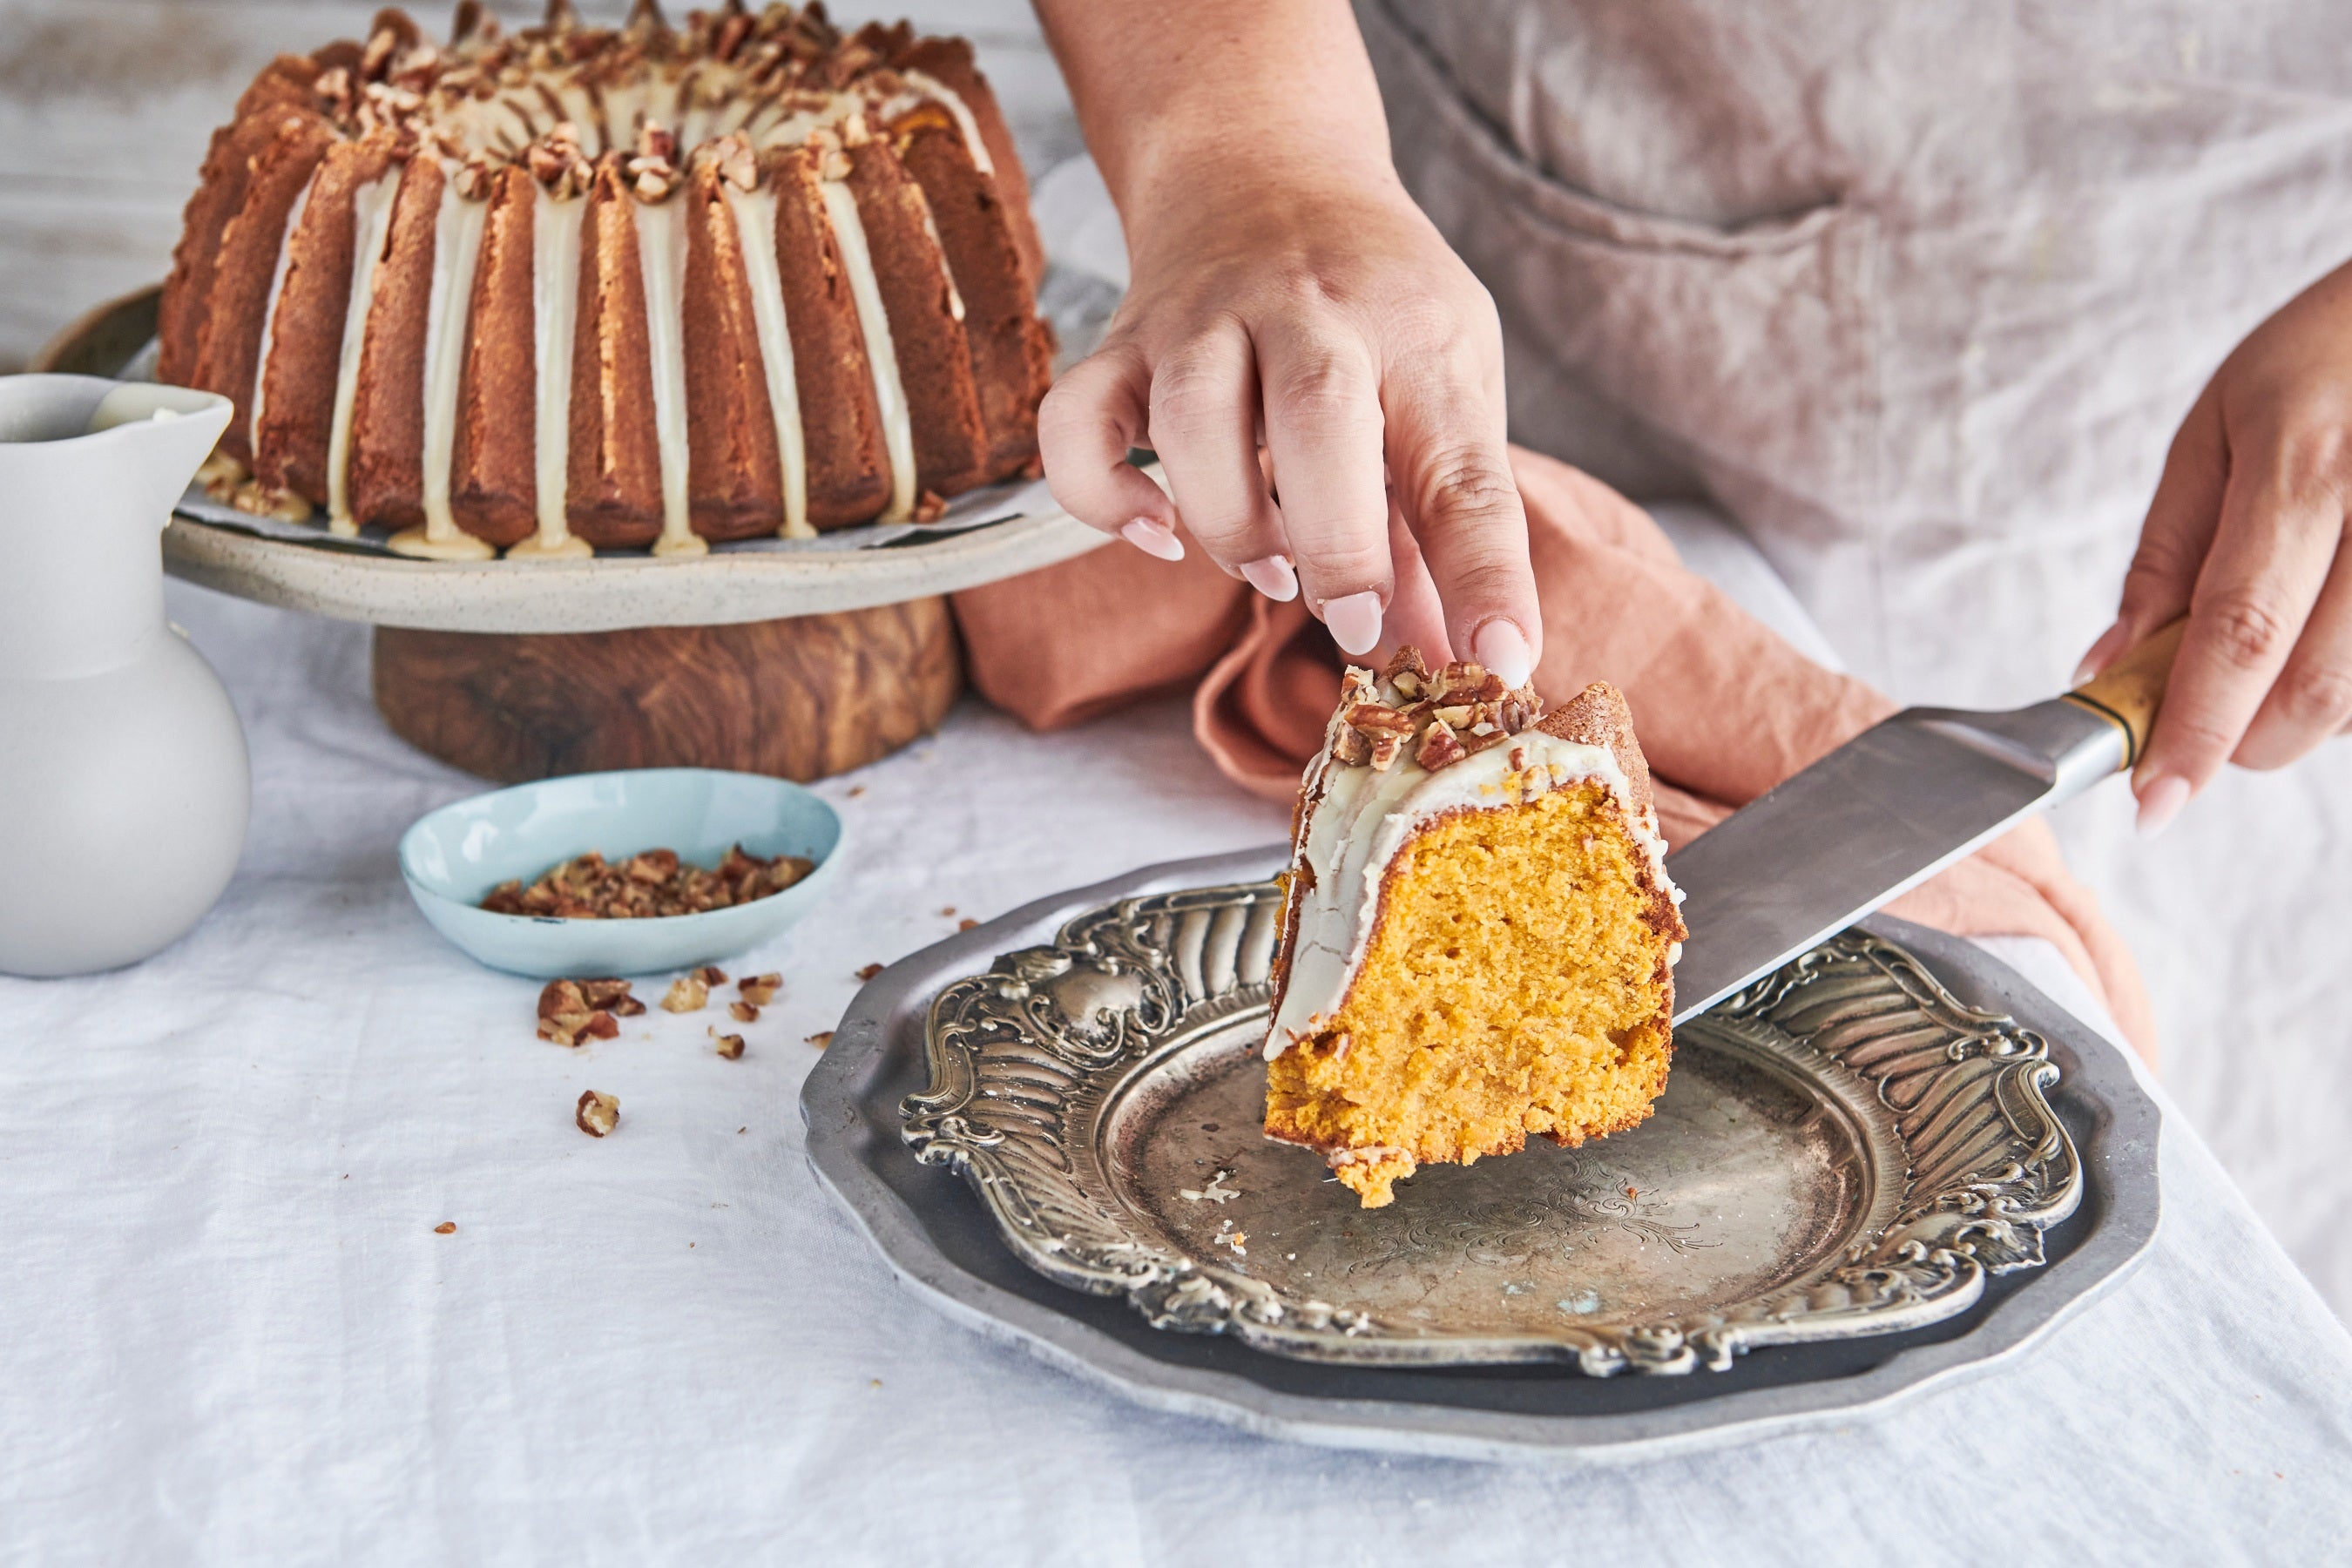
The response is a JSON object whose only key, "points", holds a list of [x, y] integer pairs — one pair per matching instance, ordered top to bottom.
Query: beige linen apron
{"points": [[1917, 293]]}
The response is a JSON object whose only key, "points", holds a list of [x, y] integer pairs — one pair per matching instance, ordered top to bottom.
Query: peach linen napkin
{"points": [[1724, 707]]}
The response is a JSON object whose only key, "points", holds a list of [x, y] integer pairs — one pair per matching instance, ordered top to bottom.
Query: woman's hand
{"points": [[1319, 375], [2247, 536]]}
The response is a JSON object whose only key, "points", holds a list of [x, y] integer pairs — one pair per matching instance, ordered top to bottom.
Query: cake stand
{"points": [[799, 658]]}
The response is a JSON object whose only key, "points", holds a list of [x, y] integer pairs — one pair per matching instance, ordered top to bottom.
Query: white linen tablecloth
{"points": [[229, 1333]]}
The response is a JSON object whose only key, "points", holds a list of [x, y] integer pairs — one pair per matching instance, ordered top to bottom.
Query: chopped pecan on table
{"points": [[646, 886], [869, 970], [759, 989], [687, 994], [570, 1009], [742, 1012], [821, 1039], [730, 1046], [597, 1114]]}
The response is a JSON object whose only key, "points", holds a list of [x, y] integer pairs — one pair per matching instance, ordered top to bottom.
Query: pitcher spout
{"points": [[90, 471]]}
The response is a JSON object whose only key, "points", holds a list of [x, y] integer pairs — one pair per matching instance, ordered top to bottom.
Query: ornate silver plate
{"points": [[1842, 1149], [1856, 1277]]}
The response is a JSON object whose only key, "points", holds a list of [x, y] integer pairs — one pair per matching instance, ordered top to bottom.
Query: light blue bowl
{"points": [[452, 859]]}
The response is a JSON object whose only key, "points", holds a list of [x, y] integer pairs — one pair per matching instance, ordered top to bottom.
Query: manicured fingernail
{"points": [[1153, 539], [1274, 577], [1354, 621], [1503, 648], [2101, 655], [2160, 802]]}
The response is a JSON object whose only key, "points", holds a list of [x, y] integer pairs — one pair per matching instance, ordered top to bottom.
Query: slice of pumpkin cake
{"points": [[1478, 936]]}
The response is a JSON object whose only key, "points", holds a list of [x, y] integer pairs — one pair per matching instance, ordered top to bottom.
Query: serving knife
{"points": [[1890, 808]]}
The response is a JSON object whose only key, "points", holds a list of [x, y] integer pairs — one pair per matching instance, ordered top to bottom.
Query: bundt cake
{"points": [[583, 287], [1478, 936]]}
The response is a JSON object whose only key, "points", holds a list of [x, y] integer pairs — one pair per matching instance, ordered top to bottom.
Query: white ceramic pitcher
{"points": [[124, 786]]}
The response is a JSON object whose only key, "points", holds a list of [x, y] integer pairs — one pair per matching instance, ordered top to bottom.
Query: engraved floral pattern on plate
{"points": [[1842, 1149]]}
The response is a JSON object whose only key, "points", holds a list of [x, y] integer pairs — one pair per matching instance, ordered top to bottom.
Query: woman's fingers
{"points": [[1094, 414], [1203, 415], [1323, 433], [1447, 450], [2175, 538], [2271, 547], [1416, 617], [2312, 699]]}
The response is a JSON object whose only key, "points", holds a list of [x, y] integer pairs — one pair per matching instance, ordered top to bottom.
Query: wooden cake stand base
{"points": [[800, 699]]}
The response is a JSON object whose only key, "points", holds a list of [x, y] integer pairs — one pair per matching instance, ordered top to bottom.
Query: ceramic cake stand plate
{"points": [[985, 537], [1889, 1162]]}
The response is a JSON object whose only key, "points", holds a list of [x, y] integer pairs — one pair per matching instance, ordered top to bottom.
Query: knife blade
{"points": [[1889, 809]]}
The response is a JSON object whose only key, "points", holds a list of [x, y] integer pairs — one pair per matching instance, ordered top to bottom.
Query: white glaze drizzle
{"points": [[940, 92], [372, 224], [755, 227], [555, 230], [932, 232], [456, 247], [661, 260], [866, 290], [269, 315]]}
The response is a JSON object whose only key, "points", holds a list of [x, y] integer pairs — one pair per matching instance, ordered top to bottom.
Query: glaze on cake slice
{"points": [[1478, 933]]}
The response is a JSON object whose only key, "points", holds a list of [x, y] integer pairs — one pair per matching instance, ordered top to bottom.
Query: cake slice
{"points": [[1478, 936]]}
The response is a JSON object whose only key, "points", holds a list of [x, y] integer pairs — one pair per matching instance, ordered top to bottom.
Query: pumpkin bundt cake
{"points": [[581, 287], [1478, 936]]}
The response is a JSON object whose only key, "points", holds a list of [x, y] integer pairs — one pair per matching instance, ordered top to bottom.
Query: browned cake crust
{"points": [[949, 61], [551, 121], [219, 195], [228, 345], [1012, 351], [934, 362], [299, 386], [848, 458], [493, 478], [388, 482], [615, 484], [736, 486]]}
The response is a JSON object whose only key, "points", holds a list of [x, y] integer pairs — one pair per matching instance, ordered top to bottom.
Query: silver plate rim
{"points": [[848, 1138]]}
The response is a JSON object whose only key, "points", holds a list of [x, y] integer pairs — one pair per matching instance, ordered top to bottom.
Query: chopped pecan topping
{"points": [[557, 163], [738, 165], [476, 178], [1407, 673], [1456, 712], [1376, 720], [1438, 747], [761, 989], [688, 994], [743, 1012], [730, 1046], [597, 1114]]}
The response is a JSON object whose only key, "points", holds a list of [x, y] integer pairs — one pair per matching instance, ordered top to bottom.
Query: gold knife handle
{"points": [[2129, 691]]}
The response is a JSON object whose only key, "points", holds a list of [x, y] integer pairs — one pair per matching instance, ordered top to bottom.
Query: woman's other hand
{"points": [[1319, 375], [2247, 536]]}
